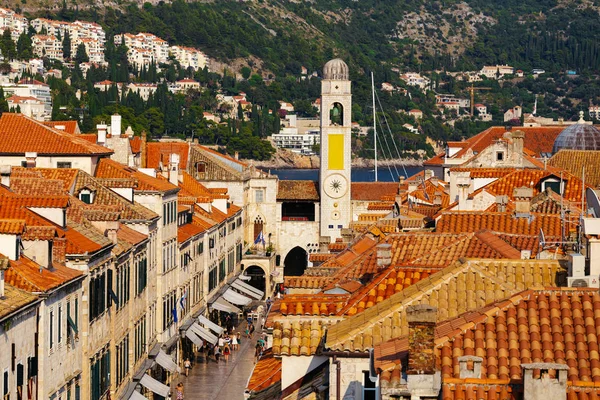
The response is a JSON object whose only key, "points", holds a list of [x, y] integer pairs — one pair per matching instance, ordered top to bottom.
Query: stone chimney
{"points": [[115, 125], [101, 128], [129, 132], [518, 138], [143, 149], [30, 158], [174, 168], [5, 171], [428, 174], [464, 184], [523, 196], [501, 202], [112, 227], [59, 250], [384, 255], [3, 267], [421, 320], [470, 367], [423, 381], [550, 383]]}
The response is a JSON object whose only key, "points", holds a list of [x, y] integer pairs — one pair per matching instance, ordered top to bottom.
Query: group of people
{"points": [[226, 344], [261, 346]]}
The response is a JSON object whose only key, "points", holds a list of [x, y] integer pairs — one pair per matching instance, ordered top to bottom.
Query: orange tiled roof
{"points": [[70, 126], [20, 134], [136, 145], [159, 152], [226, 156], [436, 160], [575, 161], [108, 168], [484, 172], [298, 190], [372, 191], [469, 221], [12, 226], [188, 231], [130, 236], [27, 275], [306, 282], [450, 290], [14, 299], [314, 304], [297, 338], [267, 372]]}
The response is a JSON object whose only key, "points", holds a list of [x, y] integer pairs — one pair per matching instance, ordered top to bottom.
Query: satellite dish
{"points": [[593, 202]]}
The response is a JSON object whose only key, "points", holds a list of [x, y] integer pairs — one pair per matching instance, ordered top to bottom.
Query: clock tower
{"points": [[334, 175]]}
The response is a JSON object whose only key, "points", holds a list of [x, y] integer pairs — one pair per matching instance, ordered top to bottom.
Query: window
{"points": [[500, 156], [63, 164], [553, 184], [259, 195], [87, 196], [330, 226], [211, 243], [200, 249], [230, 261], [141, 273], [222, 273], [212, 278], [123, 279], [98, 295], [168, 307], [59, 325], [51, 330], [140, 339], [122, 359], [100, 374], [20, 381], [5, 387], [369, 388]]}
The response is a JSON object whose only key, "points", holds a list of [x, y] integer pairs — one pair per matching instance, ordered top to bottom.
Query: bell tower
{"points": [[334, 176]]}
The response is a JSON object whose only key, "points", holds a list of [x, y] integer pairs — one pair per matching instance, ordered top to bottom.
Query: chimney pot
{"points": [[5, 171], [384, 255], [421, 320]]}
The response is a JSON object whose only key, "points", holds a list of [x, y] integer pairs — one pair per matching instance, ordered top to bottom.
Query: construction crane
{"points": [[472, 90]]}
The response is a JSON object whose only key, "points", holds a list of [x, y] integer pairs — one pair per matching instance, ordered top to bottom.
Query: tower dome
{"points": [[336, 69], [579, 136]]}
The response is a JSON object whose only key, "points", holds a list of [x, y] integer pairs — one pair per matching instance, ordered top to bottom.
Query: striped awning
{"points": [[248, 289], [236, 298], [223, 305], [210, 325], [204, 333], [193, 337], [165, 361], [155, 386], [137, 396]]}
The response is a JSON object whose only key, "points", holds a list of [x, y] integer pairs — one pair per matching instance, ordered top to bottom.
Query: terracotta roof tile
{"points": [[70, 126], [20, 134], [136, 145], [158, 153], [575, 161], [108, 168], [298, 190], [372, 191], [12, 226], [187, 231], [130, 236], [26, 274], [448, 290], [14, 299], [298, 338], [267, 372]]}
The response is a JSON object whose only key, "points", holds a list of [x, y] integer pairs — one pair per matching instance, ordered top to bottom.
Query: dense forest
{"points": [[286, 35]]}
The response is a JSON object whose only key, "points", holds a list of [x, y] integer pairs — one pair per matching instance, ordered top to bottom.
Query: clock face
{"points": [[335, 185]]}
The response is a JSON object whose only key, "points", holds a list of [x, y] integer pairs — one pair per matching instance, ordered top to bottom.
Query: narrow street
{"points": [[209, 380]]}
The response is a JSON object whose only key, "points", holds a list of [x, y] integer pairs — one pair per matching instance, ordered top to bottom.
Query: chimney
{"points": [[115, 125], [101, 128], [129, 132], [518, 138], [143, 149], [237, 155], [30, 158], [174, 168], [428, 174], [5, 175], [401, 179], [463, 183], [523, 196], [437, 199], [501, 202], [112, 227], [59, 250], [384, 255], [3, 267], [421, 320], [470, 367], [550, 383]]}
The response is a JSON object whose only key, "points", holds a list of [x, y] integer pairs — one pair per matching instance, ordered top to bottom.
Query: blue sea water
{"points": [[358, 174]]}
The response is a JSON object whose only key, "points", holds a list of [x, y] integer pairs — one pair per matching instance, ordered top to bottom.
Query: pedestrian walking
{"points": [[221, 341], [234, 342], [226, 352], [217, 353], [187, 365], [179, 389]]}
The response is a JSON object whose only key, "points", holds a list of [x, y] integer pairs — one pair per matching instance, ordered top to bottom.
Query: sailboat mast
{"points": [[374, 123]]}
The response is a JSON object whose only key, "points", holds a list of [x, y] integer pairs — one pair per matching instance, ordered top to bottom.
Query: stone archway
{"points": [[295, 262], [257, 277]]}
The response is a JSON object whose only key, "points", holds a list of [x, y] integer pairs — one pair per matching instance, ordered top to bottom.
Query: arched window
{"points": [[336, 114], [258, 226]]}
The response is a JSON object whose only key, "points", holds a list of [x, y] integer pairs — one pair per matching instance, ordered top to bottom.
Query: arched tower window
{"points": [[336, 114]]}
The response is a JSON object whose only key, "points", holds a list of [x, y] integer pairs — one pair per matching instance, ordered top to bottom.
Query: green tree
{"points": [[7, 46], [67, 46], [24, 47], [81, 55], [246, 72], [3, 102]]}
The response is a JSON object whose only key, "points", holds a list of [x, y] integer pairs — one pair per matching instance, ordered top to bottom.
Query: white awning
{"points": [[245, 277], [249, 290], [236, 298], [223, 305], [210, 325], [204, 333], [194, 338], [165, 361], [152, 384], [137, 396]]}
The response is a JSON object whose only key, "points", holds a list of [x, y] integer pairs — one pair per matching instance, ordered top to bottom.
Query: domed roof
{"points": [[336, 69], [579, 136]]}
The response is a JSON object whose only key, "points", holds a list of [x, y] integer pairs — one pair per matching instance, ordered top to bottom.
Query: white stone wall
{"points": [[295, 367], [351, 378]]}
